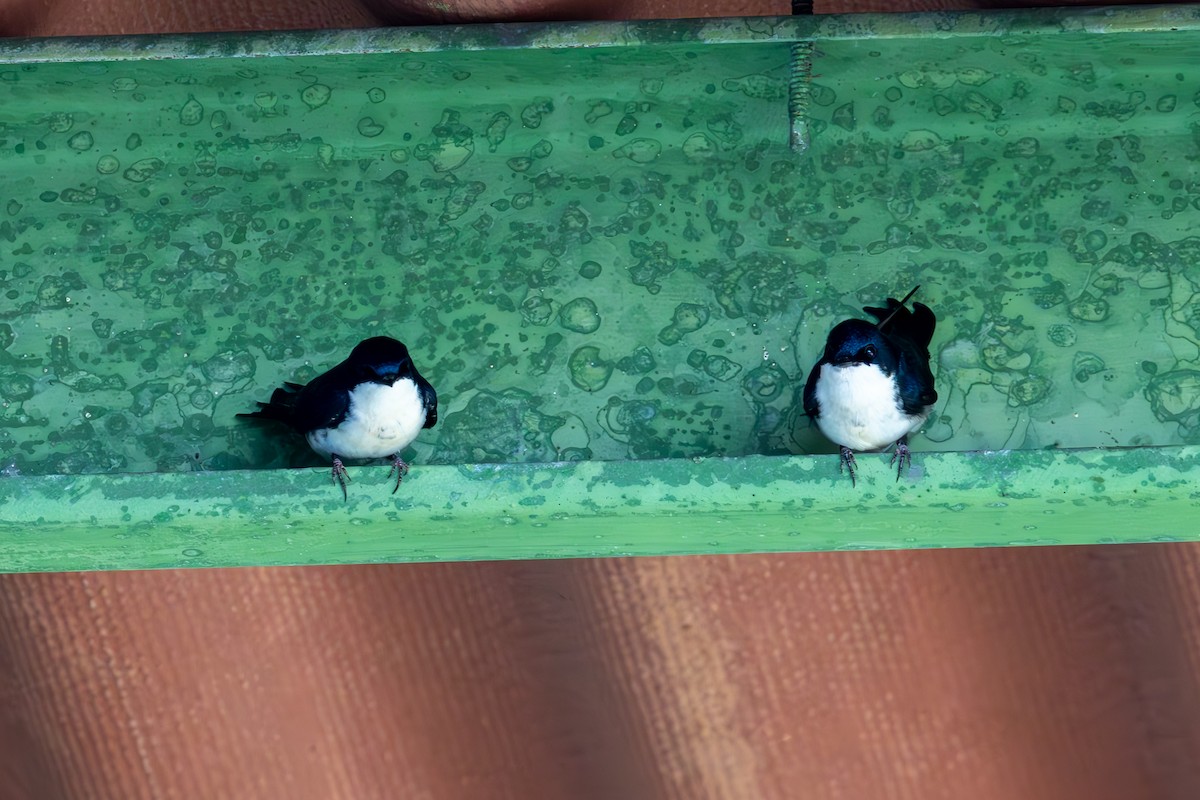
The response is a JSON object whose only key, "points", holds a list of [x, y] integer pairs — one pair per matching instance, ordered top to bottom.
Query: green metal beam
{"points": [[629, 508]]}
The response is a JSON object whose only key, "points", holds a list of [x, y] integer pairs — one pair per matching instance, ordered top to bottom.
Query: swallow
{"points": [[873, 385], [372, 405]]}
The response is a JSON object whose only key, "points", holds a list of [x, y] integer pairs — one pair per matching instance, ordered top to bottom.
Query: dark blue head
{"points": [[857, 341], [383, 357]]}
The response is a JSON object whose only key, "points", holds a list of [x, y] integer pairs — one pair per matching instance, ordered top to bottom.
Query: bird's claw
{"points": [[902, 455], [847, 461], [400, 467], [340, 476]]}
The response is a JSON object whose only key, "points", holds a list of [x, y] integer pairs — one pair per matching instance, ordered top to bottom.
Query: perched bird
{"points": [[873, 385], [372, 405]]}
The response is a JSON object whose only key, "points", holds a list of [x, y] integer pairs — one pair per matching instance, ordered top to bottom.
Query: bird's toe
{"points": [[850, 465], [340, 476]]}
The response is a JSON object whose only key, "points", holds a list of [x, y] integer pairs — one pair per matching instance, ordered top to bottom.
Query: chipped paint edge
{"points": [[595, 509]]}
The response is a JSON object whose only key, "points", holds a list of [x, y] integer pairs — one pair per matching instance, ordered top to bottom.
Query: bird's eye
{"points": [[869, 351]]}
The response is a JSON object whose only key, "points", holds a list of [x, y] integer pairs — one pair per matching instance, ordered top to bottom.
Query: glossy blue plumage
{"points": [[873, 383], [368, 406]]}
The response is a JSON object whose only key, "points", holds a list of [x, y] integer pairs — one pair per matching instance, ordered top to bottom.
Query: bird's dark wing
{"points": [[881, 313], [923, 323], [916, 325], [910, 333], [914, 379], [429, 400], [325, 401], [811, 406], [280, 407], [306, 408]]}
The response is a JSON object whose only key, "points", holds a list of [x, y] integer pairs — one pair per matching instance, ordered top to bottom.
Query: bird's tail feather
{"points": [[916, 325], [279, 407]]}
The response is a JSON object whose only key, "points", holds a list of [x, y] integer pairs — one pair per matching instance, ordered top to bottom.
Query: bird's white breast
{"points": [[860, 407], [382, 421]]}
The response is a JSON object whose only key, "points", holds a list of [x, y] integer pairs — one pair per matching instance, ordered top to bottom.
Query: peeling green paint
{"points": [[615, 246], [483, 512]]}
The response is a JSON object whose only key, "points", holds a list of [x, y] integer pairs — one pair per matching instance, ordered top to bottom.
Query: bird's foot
{"points": [[902, 455], [849, 463], [400, 467], [340, 476]]}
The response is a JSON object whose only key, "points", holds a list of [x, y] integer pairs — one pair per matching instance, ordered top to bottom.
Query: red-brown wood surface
{"points": [[1042, 673]]}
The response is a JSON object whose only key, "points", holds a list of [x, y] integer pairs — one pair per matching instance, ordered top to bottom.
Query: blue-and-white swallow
{"points": [[873, 386], [372, 405]]}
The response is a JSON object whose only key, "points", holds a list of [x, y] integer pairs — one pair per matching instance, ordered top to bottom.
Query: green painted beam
{"points": [[628, 508]]}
